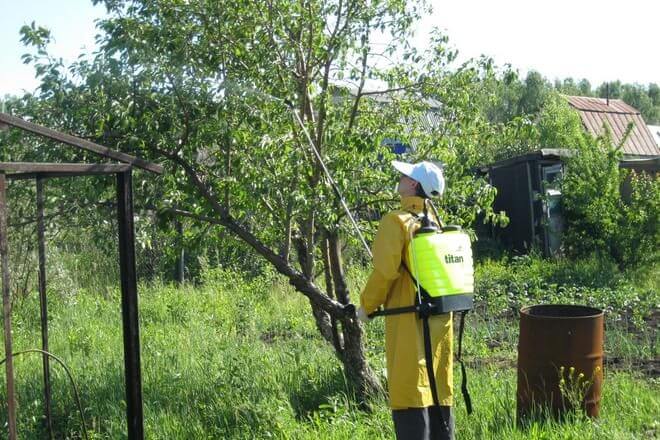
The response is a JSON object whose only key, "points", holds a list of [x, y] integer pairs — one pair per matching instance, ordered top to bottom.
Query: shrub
{"points": [[598, 218], [638, 233]]}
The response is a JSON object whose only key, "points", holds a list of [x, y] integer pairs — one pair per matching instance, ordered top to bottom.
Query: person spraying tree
{"points": [[422, 273]]}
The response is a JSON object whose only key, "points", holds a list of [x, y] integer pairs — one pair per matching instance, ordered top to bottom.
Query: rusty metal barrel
{"points": [[560, 360]]}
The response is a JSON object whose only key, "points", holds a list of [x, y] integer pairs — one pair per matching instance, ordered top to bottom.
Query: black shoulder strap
{"points": [[418, 217], [428, 355], [464, 384]]}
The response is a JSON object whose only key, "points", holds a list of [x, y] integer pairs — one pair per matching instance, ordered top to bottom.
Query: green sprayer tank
{"points": [[442, 264]]}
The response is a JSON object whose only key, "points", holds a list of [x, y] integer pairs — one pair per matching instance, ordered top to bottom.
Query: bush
{"points": [[598, 217], [638, 233]]}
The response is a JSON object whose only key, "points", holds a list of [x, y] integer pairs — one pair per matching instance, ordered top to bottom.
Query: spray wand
{"points": [[332, 182]]}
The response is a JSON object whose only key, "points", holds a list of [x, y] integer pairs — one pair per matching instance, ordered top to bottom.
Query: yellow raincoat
{"points": [[390, 285]]}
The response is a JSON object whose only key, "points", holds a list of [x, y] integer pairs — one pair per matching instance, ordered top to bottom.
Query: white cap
{"points": [[428, 174]]}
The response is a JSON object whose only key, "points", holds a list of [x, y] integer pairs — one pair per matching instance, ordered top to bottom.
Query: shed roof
{"points": [[596, 112], [74, 141], [550, 154], [651, 164]]}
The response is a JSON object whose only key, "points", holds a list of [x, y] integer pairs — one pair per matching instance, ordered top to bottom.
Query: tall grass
{"points": [[237, 358]]}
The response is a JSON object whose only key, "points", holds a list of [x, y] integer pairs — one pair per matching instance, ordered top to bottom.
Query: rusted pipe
{"points": [[43, 304], [6, 308]]}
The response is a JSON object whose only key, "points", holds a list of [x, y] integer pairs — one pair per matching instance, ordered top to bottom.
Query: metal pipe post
{"points": [[180, 272], [43, 303], [6, 306], [129, 306]]}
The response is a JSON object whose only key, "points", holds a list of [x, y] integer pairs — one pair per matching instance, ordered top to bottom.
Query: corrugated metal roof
{"points": [[600, 105], [596, 112]]}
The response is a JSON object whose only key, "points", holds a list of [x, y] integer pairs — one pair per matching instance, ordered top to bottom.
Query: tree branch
{"points": [[363, 77], [296, 279]]}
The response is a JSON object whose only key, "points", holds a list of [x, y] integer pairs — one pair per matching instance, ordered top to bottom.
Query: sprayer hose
{"points": [[68, 372]]}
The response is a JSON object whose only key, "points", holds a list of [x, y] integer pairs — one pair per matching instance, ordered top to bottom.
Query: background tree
{"points": [[534, 92], [514, 97]]}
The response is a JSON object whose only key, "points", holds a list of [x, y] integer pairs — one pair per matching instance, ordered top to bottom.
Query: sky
{"points": [[71, 23], [601, 40]]}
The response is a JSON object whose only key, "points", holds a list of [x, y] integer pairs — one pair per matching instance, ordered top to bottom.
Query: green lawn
{"points": [[237, 359]]}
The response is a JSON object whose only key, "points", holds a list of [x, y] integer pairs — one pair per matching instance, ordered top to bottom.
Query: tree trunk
{"points": [[285, 249], [180, 264], [337, 264], [323, 323], [337, 338], [352, 355], [355, 363]]}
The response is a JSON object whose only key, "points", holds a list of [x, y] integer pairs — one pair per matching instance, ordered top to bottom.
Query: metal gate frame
{"points": [[126, 236]]}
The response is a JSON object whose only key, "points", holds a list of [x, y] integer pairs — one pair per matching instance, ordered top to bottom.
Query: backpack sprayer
{"points": [[441, 268]]}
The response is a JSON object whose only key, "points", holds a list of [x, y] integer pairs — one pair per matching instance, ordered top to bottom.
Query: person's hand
{"points": [[349, 310], [362, 315]]}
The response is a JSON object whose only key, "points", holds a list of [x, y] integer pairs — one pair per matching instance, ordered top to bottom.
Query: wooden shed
{"points": [[527, 185], [527, 190]]}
